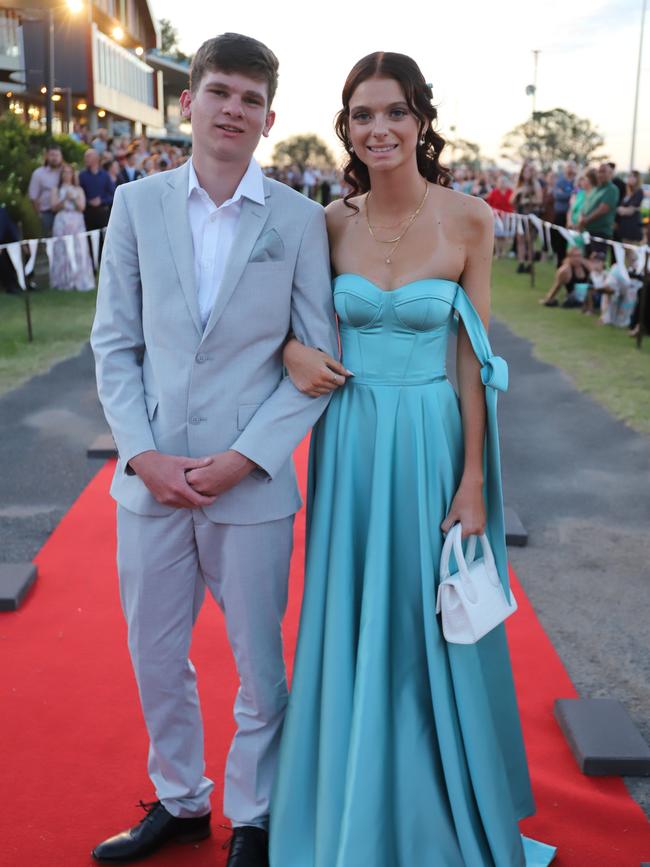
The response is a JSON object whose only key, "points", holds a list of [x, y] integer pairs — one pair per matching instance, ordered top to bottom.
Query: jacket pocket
{"points": [[151, 402], [245, 413]]}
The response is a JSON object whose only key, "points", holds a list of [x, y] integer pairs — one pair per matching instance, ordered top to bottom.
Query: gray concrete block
{"points": [[103, 447], [516, 533], [15, 581], [603, 738]]}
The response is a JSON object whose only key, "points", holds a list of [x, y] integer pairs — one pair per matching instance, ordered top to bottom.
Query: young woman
{"points": [[587, 182], [527, 198], [628, 213], [72, 267], [572, 271], [398, 748]]}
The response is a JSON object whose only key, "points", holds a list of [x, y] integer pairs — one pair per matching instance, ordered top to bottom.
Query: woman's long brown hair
{"points": [[405, 71]]}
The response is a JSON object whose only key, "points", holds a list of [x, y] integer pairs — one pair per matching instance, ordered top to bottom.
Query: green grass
{"points": [[61, 324], [601, 360]]}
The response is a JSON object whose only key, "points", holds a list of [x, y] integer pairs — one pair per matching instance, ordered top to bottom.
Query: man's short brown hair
{"points": [[232, 52]]}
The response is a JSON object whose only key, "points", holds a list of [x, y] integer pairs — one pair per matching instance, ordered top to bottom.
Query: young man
{"points": [[205, 270]]}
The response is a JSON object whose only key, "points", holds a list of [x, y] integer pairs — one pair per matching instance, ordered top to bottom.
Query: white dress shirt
{"points": [[214, 229]]}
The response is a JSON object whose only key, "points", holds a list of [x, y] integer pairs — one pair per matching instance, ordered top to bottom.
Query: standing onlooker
{"points": [[100, 142], [112, 167], [129, 171], [45, 179], [587, 182], [619, 183], [99, 189], [563, 189], [500, 198], [527, 199], [68, 203], [599, 211], [630, 226], [8, 235], [624, 284]]}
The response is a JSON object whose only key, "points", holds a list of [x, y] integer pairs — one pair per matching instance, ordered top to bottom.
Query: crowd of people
{"points": [[595, 200]]}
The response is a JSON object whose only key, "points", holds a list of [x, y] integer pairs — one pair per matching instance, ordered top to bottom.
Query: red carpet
{"points": [[73, 746]]}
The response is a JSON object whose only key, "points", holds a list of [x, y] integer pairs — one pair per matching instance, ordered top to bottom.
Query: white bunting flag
{"points": [[16, 255]]}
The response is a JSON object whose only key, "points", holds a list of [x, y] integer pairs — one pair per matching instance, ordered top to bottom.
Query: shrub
{"points": [[21, 151]]}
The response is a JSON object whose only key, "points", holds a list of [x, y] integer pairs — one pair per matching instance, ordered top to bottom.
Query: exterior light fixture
{"points": [[118, 34], [139, 51], [43, 89], [56, 97], [82, 106], [101, 113]]}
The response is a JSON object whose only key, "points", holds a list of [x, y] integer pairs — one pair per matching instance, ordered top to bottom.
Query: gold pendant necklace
{"points": [[396, 241]]}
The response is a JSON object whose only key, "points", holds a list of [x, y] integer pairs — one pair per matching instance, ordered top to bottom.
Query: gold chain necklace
{"points": [[396, 241]]}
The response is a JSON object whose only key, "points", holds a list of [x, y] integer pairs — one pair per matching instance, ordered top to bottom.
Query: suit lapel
{"points": [[252, 220], [179, 233]]}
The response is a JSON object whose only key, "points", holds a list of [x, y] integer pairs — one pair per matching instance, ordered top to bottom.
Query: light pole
{"points": [[49, 71], [638, 82]]}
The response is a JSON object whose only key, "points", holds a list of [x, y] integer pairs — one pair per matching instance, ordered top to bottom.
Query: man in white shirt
{"points": [[206, 269]]}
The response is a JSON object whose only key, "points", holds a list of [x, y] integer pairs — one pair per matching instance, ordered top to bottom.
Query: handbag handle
{"points": [[453, 541]]}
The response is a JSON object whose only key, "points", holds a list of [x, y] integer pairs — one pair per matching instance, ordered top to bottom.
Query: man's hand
{"points": [[95, 202], [225, 470], [165, 476]]}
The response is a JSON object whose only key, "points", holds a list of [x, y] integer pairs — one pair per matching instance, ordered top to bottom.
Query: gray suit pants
{"points": [[165, 565]]}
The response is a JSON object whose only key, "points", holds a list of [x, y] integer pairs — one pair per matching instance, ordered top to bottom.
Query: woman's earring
{"points": [[422, 140]]}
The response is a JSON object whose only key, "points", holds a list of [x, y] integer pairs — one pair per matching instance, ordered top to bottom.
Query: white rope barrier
{"points": [[511, 224], [23, 269]]}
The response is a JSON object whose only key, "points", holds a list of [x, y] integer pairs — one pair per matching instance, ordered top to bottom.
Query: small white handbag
{"points": [[472, 601]]}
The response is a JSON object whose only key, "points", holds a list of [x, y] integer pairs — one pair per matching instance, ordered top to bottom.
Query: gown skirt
{"points": [[399, 749]]}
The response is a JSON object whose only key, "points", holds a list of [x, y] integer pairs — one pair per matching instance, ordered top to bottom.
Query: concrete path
{"points": [[579, 480]]}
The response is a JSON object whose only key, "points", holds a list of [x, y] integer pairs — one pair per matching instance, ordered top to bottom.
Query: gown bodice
{"points": [[394, 337]]}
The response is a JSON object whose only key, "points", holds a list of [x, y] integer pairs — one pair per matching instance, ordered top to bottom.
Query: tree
{"points": [[169, 40], [554, 135], [305, 150], [460, 152]]}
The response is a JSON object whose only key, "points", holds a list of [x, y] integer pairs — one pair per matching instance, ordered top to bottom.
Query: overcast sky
{"points": [[477, 54]]}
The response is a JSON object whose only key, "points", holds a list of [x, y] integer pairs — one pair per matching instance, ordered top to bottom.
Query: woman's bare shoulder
{"points": [[337, 213], [467, 215]]}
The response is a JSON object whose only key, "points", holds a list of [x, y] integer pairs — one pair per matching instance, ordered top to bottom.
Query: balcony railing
{"points": [[123, 83]]}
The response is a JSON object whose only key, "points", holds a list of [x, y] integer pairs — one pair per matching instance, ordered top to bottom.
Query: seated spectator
{"points": [[571, 273], [622, 286], [598, 290]]}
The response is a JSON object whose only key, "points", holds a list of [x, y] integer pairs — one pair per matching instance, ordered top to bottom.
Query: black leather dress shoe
{"points": [[157, 827], [249, 847]]}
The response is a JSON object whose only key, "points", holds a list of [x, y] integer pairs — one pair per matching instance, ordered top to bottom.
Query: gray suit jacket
{"points": [[166, 383]]}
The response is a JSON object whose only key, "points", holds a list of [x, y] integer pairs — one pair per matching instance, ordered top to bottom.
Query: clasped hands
{"points": [[190, 483]]}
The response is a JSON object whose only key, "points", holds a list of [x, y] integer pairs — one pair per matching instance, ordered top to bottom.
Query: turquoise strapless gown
{"points": [[399, 750]]}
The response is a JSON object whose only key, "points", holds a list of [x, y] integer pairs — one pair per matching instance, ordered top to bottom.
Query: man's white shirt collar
{"points": [[251, 185]]}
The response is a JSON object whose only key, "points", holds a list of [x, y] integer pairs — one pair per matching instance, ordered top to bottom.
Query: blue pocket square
{"points": [[269, 248]]}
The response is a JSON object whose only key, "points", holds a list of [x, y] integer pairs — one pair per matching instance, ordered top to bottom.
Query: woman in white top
{"points": [[71, 266]]}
